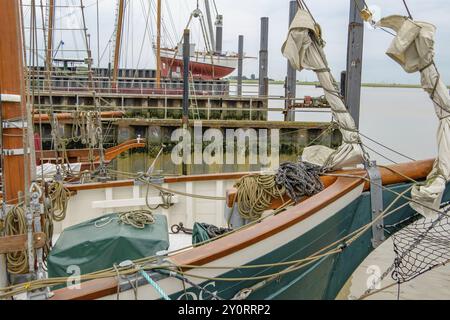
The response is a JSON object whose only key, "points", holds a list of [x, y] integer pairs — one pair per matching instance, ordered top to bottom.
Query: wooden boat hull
{"points": [[202, 65], [343, 207], [321, 280]]}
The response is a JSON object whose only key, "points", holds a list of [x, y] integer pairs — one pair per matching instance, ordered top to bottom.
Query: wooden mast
{"points": [[118, 43], [158, 45], [49, 57], [13, 104]]}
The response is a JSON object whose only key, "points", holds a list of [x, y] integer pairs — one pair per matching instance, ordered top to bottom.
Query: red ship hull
{"points": [[200, 71]]}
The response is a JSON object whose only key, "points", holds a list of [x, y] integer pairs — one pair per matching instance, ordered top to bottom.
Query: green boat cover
{"points": [[203, 232], [199, 234], [93, 248]]}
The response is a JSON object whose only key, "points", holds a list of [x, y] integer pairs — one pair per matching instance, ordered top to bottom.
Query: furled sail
{"points": [[304, 49], [413, 49]]}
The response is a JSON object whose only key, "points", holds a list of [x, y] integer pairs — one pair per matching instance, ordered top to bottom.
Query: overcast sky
{"points": [[243, 17]]}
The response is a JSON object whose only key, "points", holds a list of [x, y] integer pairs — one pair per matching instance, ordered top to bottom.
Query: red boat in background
{"points": [[211, 63], [203, 65]]}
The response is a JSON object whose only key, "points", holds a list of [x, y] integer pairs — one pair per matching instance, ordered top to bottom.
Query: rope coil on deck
{"points": [[300, 179], [255, 194], [137, 219]]}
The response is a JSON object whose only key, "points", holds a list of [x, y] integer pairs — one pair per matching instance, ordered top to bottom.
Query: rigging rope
{"points": [[407, 9], [386, 147], [59, 196], [334, 248], [154, 285]]}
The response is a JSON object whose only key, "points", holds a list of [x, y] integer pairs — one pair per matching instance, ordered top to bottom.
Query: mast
{"points": [[210, 25], [118, 43], [158, 45], [88, 46], [49, 57], [13, 104]]}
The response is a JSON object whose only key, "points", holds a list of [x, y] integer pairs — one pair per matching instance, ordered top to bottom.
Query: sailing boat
{"points": [[211, 64], [303, 248]]}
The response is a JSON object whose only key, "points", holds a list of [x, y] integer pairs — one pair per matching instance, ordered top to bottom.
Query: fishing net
{"points": [[421, 247]]}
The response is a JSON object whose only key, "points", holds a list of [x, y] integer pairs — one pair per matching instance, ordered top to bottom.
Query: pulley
{"points": [[366, 15]]}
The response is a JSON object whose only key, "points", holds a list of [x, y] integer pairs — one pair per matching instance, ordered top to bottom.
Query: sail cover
{"points": [[413, 49], [304, 50]]}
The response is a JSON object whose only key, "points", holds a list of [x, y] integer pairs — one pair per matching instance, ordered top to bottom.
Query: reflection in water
{"points": [[139, 161]]}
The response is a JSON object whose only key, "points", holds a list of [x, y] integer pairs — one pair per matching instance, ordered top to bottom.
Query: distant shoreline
{"points": [[366, 85]]}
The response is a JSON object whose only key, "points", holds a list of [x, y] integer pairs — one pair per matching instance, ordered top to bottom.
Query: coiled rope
{"points": [[299, 179], [255, 194], [59, 196], [138, 219], [16, 224]]}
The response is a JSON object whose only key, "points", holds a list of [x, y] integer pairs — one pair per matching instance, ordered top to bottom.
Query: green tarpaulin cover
{"points": [[199, 234], [94, 248]]}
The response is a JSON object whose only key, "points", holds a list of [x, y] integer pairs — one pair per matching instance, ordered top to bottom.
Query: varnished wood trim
{"points": [[417, 171], [169, 180], [11, 244], [90, 290]]}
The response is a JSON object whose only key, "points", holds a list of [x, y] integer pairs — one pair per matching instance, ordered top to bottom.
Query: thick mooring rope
{"points": [[299, 179], [255, 194]]}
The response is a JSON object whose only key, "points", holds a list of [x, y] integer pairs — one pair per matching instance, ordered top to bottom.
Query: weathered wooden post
{"points": [[219, 33], [264, 56], [354, 60], [186, 61], [240, 65], [291, 82]]}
